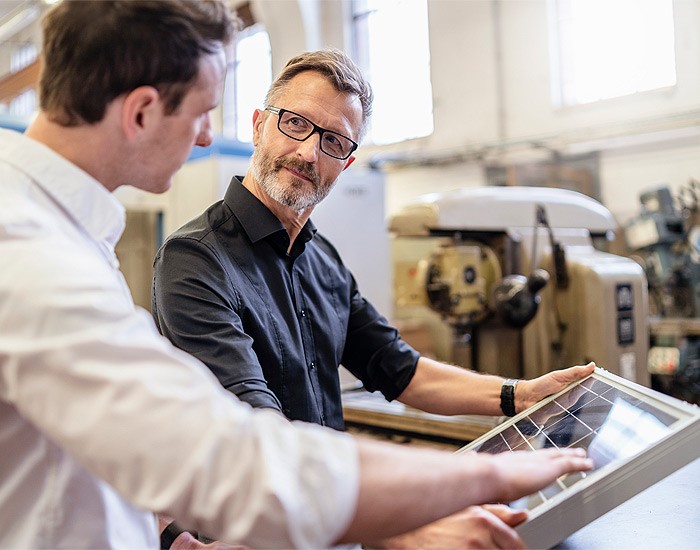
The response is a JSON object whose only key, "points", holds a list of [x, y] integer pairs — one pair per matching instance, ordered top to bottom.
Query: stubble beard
{"points": [[296, 195]]}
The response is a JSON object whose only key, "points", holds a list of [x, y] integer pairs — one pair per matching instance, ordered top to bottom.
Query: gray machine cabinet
{"points": [[636, 437]]}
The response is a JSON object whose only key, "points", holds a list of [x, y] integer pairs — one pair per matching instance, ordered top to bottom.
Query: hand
{"points": [[529, 392], [521, 473], [489, 526], [185, 541]]}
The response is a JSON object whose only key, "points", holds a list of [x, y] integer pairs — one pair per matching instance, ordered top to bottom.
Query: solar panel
{"points": [[636, 437]]}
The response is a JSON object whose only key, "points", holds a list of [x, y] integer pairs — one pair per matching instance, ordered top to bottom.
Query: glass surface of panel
{"points": [[617, 422]]}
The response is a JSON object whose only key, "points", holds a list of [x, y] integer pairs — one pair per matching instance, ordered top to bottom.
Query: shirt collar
{"points": [[85, 199], [256, 219]]}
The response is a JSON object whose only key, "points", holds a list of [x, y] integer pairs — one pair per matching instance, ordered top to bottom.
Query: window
{"points": [[610, 48], [23, 56], [395, 58], [247, 81], [24, 104]]}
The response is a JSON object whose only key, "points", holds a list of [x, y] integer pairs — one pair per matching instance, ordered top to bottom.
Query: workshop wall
{"points": [[491, 85]]}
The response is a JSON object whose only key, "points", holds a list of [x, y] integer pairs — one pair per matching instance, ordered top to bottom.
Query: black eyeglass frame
{"points": [[316, 128]]}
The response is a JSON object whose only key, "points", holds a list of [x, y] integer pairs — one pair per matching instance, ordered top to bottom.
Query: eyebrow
{"points": [[339, 132]]}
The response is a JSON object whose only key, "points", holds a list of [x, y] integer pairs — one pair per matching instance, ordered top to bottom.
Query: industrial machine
{"points": [[665, 238], [514, 273]]}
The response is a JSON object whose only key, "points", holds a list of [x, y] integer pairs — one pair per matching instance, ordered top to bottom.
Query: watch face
{"points": [[633, 435]]}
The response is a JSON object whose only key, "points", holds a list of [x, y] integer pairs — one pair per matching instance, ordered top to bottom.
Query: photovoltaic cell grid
{"points": [[594, 415]]}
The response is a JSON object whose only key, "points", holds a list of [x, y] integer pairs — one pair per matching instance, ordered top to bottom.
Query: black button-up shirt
{"points": [[273, 327]]}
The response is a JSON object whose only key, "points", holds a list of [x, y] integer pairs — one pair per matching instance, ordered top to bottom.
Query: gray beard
{"points": [[292, 196]]}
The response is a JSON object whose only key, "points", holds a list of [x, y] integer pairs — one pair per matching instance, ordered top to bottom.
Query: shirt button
{"points": [[302, 313], [312, 365]]}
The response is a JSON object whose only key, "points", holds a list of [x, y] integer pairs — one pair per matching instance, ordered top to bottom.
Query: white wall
{"points": [[491, 85], [352, 218]]}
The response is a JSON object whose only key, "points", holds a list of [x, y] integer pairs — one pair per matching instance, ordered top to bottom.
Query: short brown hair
{"points": [[95, 51], [335, 65]]}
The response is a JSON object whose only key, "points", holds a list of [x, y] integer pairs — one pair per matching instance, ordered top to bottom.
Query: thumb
{"points": [[506, 514]]}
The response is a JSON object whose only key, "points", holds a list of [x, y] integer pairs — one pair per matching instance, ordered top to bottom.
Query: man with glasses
{"points": [[252, 290]]}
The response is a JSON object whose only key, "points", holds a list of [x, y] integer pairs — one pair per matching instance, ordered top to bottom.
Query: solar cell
{"points": [[636, 437]]}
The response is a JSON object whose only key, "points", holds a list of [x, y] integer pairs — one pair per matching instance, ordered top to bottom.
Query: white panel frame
{"points": [[552, 521]]}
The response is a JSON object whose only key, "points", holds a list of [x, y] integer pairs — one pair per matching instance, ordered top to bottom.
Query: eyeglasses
{"points": [[301, 128]]}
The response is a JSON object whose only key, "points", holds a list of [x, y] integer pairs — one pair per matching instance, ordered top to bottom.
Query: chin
{"points": [[163, 188]]}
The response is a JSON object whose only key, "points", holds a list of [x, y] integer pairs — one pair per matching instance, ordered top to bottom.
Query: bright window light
{"points": [[392, 47], [611, 48], [23, 56], [247, 82], [24, 105]]}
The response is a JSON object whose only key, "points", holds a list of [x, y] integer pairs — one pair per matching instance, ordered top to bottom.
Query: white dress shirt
{"points": [[102, 420]]}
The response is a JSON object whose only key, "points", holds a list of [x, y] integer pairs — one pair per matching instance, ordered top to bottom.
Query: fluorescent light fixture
{"points": [[18, 19]]}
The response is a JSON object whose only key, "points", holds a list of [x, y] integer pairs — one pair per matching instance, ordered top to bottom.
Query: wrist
{"points": [[508, 405], [173, 532]]}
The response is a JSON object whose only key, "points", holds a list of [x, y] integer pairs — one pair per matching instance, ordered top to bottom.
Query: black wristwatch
{"points": [[508, 396], [171, 532]]}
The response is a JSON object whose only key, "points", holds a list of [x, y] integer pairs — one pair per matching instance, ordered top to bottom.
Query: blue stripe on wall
{"points": [[220, 147]]}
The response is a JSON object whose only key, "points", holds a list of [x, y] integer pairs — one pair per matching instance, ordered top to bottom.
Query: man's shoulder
{"points": [[21, 215], [201, 227], [203, 240]]}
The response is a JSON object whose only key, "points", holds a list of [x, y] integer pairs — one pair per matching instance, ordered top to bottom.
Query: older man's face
{"points": [[294, 173]]}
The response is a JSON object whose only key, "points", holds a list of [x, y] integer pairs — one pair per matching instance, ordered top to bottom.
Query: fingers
{"points": [[576, 373], [537, 389], [570, 460], [524, 472], [506, 514], [488, 530], [503, 535], [507, 538]]}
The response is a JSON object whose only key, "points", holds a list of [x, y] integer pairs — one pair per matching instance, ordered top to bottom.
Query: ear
{"points": [[140, 106], [258, 120], [349, 162]]}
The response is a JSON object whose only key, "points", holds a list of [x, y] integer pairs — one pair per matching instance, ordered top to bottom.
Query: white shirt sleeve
{"points": [[93, 375]]}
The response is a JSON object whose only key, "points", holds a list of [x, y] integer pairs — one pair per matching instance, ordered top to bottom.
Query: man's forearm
{"points": [[440, 388], [446, 389], [422, 486], [402, 488]]}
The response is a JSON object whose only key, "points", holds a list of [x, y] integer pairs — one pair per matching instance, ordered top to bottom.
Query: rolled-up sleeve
{"points": [[374, 351]]}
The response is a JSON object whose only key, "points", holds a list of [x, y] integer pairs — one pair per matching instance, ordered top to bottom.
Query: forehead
{"points": [[311, 94]]}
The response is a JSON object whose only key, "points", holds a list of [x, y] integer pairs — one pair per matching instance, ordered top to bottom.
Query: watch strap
{"points": [[508, 396], [170, 533]]}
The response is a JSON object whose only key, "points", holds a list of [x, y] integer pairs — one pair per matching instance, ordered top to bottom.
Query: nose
{"points": [[205, 137], [309, 148]]}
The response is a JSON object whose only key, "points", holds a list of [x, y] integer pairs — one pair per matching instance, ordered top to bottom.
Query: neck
{"points": [[83, 145], [292, 220]]}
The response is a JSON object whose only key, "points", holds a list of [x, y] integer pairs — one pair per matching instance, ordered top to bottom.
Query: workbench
{"points": [[372, 410]]}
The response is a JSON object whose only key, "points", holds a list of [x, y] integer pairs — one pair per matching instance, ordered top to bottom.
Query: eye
{"points": [[297, 123], [332, 140], [336, 144]]}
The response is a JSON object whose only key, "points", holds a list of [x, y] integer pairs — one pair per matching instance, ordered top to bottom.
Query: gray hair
{"points": [[337, 67]]}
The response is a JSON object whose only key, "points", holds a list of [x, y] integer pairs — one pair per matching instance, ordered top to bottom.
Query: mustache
{"points": [[305, 168]]}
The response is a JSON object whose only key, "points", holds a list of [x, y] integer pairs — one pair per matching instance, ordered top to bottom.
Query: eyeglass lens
{"points": [[299, 128]]}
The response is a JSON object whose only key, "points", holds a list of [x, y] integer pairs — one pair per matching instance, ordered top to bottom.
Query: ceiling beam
{"points": [[14, 84]]}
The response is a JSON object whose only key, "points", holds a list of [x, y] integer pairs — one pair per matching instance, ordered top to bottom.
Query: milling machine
{"points": [[515, 274]]}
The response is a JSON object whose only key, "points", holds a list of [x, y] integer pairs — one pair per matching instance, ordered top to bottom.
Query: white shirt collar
{"points": [[84, 198]]}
